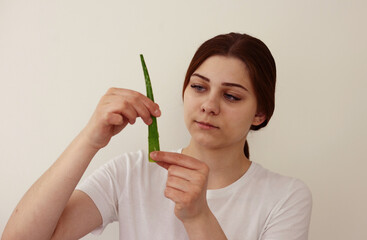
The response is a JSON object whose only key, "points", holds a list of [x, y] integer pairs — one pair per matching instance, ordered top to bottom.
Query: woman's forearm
{"points": [[38, 212]]}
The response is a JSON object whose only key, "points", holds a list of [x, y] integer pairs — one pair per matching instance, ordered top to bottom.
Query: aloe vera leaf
{"points": [[153, 137]]}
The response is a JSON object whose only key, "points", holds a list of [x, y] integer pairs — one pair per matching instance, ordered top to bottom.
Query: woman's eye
{"points": [[197, 88], [231, 97]]}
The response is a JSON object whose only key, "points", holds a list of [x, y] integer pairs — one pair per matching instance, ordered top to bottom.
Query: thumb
{"points": [[118, 128]]}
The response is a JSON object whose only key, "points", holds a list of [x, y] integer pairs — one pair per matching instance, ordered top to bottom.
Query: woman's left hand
{"points": [[186, 184]]}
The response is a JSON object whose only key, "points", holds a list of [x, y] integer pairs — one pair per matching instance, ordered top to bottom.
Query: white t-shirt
{"points": [[260, 205]]}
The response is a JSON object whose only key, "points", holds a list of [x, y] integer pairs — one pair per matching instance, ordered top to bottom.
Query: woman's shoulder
{"points": [[279, 184]]}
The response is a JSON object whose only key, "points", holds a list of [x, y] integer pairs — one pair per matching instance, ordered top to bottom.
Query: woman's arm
{"points": [[50, 203], [38, 212]]}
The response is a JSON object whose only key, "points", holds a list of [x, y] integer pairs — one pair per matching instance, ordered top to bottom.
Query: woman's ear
{"points": [[258, 119]]}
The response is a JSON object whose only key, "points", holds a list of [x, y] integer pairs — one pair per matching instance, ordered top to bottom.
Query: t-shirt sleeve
{"points": [[102, 187], [291, 217]]}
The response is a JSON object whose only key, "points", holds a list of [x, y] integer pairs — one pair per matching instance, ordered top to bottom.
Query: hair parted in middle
{"points": [[258, 60]]}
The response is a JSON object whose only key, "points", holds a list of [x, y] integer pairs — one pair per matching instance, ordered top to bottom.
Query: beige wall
{"points": [[57, 58]]}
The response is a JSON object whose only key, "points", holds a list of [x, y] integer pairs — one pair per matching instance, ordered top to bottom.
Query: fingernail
{"points": [[157, 112], [153, 154]]}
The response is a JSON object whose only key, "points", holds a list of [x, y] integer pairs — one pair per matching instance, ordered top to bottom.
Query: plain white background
{"points": [[57, 58]]}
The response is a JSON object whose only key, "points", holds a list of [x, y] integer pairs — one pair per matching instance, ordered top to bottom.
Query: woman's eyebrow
{"points": [[201, 76], [228, 84], [234, 85]]}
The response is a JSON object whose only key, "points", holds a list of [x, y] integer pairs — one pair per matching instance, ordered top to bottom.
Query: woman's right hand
{"points": [[115, 110]]}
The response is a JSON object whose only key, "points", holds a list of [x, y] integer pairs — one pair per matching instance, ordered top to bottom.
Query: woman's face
{"points": [[220, 104]]}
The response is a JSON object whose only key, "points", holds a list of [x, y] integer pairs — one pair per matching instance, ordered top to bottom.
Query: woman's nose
{"points": [[211, 106]]}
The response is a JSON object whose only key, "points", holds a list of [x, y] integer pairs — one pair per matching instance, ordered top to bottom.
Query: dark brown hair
{"points": [[260, 65]]}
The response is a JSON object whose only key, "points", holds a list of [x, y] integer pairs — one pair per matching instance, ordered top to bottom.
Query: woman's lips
{"points": [[206, 125]]}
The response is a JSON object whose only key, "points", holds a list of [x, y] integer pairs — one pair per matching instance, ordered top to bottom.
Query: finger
{"points": [[137, 97], [116, 104], [153, 108], [125, 109], [143, 112], [130, 114], [115, 119], [178, 159], [163, 165], [182, 172], [178, 183], [174, 194]]}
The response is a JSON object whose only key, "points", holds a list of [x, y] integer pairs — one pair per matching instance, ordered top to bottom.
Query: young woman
{"points": [[206, 190]]}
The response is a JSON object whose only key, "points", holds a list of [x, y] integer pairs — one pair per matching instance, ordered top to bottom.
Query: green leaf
{"points": [[153, 137]]}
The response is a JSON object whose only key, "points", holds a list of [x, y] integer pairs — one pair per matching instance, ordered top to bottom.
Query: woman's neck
{"points": [[226, 164]]}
